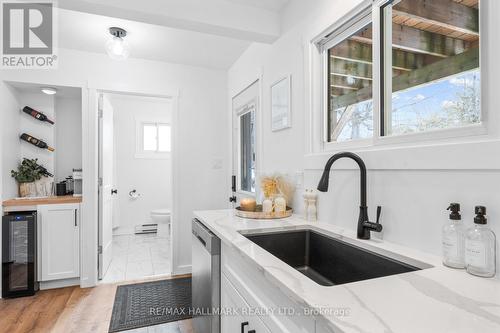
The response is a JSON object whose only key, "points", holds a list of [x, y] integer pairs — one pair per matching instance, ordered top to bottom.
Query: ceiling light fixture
{"points": [[117, 47], [49, 90]]}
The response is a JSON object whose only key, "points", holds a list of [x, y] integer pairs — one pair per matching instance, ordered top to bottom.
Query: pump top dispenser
{"points": [[454, 209], [480, 217], [453, 238], [480, 251]]}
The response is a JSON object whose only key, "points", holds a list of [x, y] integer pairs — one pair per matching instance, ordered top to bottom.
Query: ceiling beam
{"points": [[444, 13], [216, 17], [419, 41], [355, 51], [441, 69], [355, 70], [348, 83]]}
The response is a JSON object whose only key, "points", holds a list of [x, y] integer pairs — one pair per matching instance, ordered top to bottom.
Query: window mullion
{"points": [[386, 46], [378, 76]]}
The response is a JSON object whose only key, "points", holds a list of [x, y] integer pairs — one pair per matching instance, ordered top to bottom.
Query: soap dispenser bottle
{"points": [[453, 239], [480, 246]]}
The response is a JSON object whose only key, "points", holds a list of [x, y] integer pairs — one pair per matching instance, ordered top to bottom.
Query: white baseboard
{"points": [[122, 231], [181, 270], [87, 283], [44, 285]]}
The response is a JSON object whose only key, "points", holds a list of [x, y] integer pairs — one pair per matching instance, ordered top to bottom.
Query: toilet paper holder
{"points": [[133, 194]]}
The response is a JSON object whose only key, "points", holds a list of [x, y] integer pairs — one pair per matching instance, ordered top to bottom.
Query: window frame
{"points": [[371, 11], [251, 106], [140, 152]]}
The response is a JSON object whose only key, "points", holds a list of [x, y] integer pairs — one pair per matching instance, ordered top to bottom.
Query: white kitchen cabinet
{"points": [[59, 238], [259, 293], [242, 321]]}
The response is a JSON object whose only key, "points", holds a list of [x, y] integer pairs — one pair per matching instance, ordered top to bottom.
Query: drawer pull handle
{"points": [[243, 326]]}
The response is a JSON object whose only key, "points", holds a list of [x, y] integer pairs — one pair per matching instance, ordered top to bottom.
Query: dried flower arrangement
{"points": [[277, 184]]}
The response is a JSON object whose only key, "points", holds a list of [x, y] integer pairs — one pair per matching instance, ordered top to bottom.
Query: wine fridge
{"points": [[19, 255]]}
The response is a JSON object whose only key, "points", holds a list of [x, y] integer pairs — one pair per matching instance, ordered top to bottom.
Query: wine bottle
{"points": [[37, 114], [36, 142], [44, 171]]}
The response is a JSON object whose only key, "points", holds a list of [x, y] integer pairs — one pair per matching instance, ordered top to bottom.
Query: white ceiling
{"points": [[274, 5], [251, 20], [89, 32], [208, 33], [31, 88]]}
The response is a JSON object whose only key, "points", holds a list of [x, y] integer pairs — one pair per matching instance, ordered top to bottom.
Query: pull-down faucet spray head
{"points": [[323, 182]]}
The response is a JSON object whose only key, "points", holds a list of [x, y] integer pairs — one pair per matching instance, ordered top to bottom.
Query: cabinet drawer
{"points": [[261, 294], [238, 320]]}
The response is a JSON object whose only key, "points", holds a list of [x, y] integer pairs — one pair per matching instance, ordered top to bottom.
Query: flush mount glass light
{"points": [[117, 47], [49, 90]]}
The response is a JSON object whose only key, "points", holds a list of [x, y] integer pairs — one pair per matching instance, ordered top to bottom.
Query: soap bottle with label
{"points": [[453, 238], [480, 246]]}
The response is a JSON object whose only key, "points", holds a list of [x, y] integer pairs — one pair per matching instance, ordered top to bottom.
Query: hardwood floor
{"points": [[71, 309]]}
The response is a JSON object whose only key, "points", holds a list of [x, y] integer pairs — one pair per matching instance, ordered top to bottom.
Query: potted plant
{"points": [[28, 172]]}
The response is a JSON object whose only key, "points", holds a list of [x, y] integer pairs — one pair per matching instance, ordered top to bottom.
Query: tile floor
{"points": [[139, 256]]}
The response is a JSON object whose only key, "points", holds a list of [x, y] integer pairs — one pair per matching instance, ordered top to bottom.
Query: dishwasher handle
{"points": [[208, 239]]}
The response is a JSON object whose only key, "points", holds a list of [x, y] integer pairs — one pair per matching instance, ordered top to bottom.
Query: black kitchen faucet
{"points": [[364, 224]]}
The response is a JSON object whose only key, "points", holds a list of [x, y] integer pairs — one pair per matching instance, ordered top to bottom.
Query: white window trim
{"points": [[247, 108], [486, 131], [140, 153]]}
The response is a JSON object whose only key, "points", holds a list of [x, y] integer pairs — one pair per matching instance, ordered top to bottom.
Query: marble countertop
{"points": [[434, 299]]}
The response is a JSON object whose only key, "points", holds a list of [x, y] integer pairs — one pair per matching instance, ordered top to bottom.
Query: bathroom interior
{"points": [[141, 197]]}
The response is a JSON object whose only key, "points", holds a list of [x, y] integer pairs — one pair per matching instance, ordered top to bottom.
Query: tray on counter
{"points": [[258, 214]]}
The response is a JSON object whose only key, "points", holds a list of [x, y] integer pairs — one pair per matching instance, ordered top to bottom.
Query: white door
{"points": [[245, 109], [106, 185], [60, 241]]}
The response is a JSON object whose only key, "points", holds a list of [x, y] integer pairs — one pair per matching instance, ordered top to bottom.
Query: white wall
{"points": [[40, 130], [202, 131], [68, 136], [10, 146], [150, 177], [414, 195]]}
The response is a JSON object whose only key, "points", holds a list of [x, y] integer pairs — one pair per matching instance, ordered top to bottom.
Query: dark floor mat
{"points": [[151, 303]]}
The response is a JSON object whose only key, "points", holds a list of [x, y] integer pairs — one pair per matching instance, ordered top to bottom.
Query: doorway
{"points": [[135, 187]]}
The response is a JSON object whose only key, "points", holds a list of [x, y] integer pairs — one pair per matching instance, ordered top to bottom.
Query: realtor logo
{"points": [[28, 35]]}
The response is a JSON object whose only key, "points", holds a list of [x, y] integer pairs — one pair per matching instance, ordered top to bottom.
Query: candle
{"points": [[248, 204], [280, 205], [267, 206]]}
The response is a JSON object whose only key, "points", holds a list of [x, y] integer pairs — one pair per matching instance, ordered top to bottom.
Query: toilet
{"points": [[161, 217]]}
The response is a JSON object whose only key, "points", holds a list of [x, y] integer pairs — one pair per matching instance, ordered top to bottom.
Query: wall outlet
{"points": [[299, 179]]}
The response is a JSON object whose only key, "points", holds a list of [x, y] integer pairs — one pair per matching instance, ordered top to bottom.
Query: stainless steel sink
{"points": [[326, 260]]}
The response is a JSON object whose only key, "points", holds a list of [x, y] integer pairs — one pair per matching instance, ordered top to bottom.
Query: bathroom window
{"points": [[397, 71], [246, 124], [154, 140]]}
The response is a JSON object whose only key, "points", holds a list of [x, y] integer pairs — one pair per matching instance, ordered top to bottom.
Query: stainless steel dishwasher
{"points": [[205, 279]]}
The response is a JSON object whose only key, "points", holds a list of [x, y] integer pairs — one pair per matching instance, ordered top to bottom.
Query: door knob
{"points": [[114, 191]]}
